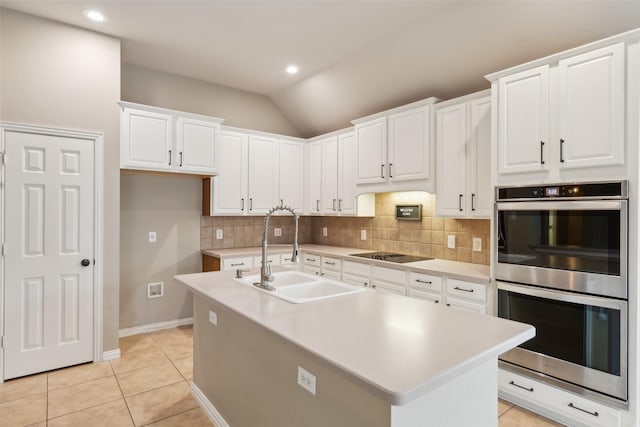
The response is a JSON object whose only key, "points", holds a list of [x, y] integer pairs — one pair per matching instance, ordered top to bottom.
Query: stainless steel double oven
{"points": [[561, 265]]}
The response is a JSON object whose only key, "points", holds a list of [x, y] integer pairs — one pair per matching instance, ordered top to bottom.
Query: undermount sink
{"points": [[297, 287]]}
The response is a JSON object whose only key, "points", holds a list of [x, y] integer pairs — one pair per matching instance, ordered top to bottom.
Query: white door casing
{"points": [[52, 198]]}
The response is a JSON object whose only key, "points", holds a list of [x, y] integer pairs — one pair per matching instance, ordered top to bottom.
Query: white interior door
{"points": [[49, 259]]}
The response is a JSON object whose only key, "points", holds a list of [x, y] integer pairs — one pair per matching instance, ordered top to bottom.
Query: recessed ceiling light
{"points": [[94, 15], [292, 69]]}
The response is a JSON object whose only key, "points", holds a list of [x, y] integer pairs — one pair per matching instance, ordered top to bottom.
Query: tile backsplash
{"points": [[427, 237]]}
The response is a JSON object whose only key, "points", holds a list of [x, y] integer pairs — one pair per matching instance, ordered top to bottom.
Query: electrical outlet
{"points": [[277, 232], [325, 232], [219, 234], [363, 234], [152, 237], [451, 242], [477, 244], [155, 290], [213, 317], [306, 380]]}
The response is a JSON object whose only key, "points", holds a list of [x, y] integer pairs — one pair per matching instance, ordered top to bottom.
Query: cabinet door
{"points": [[591, 108], [523, 121], [451, 134], [146, 140], [195, 145], [409, 145], [371, 148], [346, 176], [315, 177], [291, 181], [263, 182], [230, 185], [479, 190], [329, 203]]}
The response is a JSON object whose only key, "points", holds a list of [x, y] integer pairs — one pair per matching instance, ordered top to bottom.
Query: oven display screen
{"points": [[552, 191]]}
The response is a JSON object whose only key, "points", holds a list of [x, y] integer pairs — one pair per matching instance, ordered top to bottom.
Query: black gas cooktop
{"points": [[391, 257]]}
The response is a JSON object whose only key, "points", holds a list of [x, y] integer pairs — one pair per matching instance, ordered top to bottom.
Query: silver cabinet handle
{"points": [[561, 150], [542, 152], [169, 157], [180, 159], [390, 164], [382, 171], [473, 197], [281, 202], [460, 202], [250, 204], [334, 204], [318, 205], [340, 205], [242, 208], [309, 259], [330, 263], [237, 264], [427, 282], [366, 284], [373, 286], [457, 288], [437, 301], [520, 386], [595, 413]]}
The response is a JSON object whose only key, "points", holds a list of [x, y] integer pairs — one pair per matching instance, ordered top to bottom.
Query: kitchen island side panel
{"points": [[250, 376]]}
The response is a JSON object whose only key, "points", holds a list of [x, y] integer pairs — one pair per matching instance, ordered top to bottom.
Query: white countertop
{"points": [[454, 269], [398, 347]]}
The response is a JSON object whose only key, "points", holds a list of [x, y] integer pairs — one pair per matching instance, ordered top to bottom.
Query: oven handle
{"points": [[566, 205], [559, 295]]}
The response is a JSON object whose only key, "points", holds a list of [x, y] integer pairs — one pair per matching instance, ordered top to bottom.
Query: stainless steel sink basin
{"points": [[297, 287]]}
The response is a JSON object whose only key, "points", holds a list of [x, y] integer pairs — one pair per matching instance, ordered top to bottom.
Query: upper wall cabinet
{"points": [[562, 118], [157, 139], [463, 145], [394, 150]]}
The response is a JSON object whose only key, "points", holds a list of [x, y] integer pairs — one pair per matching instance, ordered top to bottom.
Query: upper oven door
{"points": [[574, 245]]}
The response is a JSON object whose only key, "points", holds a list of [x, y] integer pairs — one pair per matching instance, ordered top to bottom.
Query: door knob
{"points": [[85, 262]]}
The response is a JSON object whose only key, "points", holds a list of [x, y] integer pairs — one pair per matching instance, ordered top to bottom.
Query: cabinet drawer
{"points": [[285, 259], [311, 259], [271, 260], [231, 263], [329, 263], [357, 268], [311, 269], [329, 274], [389, 275], [356, 280], [422, 282], [388, 287], [475, 291], [429, 296], [466, 305], [563, 403]]}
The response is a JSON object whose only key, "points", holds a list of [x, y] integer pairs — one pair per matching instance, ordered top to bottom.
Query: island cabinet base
{"points": [[247, 376]]}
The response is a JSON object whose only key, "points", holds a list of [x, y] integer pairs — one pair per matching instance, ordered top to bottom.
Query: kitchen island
{"points": [[378, 359]]}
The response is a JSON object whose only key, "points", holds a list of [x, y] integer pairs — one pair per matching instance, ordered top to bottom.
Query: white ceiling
{"points": [[355, 57]]}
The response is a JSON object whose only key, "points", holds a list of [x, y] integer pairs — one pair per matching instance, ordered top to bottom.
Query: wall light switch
{"points": [[277, 231], [325, 232], [219, 234], [363, 234], [152, 237], [451, 242], [477, 244], [213, 317], [307, 380]]}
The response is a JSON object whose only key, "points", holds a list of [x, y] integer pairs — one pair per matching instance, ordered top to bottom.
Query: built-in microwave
{"points": [[566, 236]]}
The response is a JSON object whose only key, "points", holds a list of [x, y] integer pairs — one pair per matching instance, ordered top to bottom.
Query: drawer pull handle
{"points": [[310, 259], [330, 263], [237, 264], [427, 282], [463, 289], [522, 387], [595, 413]]}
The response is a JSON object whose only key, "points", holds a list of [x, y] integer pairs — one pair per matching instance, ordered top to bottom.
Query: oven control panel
{"points": [[591, 190]]}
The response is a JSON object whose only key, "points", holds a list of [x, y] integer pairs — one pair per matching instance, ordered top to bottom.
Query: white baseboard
{"points": [[154, 327], [111, 355], [211, 411]]}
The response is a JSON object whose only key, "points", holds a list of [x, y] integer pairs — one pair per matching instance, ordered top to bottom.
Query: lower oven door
{"points": [[579, 339]]}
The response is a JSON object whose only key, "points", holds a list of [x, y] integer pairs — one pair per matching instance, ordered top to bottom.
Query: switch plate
{"points": [[277, 232], [325, 232], [219, 234], [363, 234], [153, 237], [451, 242], [477, 244], [155, 290], [213, 317], [306, 380]]}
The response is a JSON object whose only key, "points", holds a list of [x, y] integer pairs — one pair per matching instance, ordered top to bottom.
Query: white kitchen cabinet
{"points": [[563, 120], [463, 138], [158, 139], [394, 151], [314, 162], [290, 171], [263, 174], [346, 174], [229, 189], [329, 202], [273, 259], [240, 262], [389, 280], [425, 286], [466, 295]]}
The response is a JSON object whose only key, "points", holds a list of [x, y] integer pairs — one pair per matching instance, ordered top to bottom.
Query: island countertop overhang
{"points": [[398, 347]]}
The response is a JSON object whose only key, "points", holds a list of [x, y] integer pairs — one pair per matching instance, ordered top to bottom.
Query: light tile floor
{"points": [[148, 385]]}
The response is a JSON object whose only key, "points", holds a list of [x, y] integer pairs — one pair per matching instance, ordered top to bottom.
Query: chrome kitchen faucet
{"points": [[265, 271]]}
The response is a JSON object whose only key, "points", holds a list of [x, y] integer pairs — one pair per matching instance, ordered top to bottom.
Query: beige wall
{"points": [[60, 76], [239, 108], [170, 206]]}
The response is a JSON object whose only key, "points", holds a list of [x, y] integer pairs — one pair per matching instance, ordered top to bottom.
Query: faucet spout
{"points": [[265, 272]]}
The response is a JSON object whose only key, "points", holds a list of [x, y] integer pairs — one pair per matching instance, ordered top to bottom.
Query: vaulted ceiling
{"points": [[355, 57]]}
